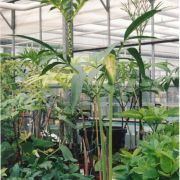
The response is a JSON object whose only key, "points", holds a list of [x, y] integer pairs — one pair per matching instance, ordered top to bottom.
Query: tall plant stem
{"points": [[140, 78], [140, 96], [110, 130], [97, 134], [103, 150], [18, 151]]}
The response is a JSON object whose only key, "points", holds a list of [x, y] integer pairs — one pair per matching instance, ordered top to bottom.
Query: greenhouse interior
{"points": [[89, 89]]}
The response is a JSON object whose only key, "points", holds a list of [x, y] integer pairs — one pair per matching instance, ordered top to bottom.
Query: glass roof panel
{"points": [[90, 25]]}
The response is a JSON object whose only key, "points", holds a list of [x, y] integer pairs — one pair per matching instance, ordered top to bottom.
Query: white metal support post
{"points": [[107, 7], [108, 21], [7, 22], [40, 23], [13, 26], [153, 52]]}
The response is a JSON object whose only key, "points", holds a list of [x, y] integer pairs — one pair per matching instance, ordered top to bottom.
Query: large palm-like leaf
{"points": [[68, 8], [137, 22], [45, 45], [58, 56], [138, 58], [172, 75], [130, 114], [153, 116]]}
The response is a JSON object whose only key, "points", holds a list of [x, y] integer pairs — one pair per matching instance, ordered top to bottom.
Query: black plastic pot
{"points": [[118, 137]]}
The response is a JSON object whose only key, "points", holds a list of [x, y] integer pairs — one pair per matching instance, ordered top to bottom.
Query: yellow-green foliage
{"points": [[110, 63]]}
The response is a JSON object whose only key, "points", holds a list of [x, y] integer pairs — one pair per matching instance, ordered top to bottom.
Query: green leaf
{"points": [[79, 6], [52, 8], [137, 22], [39, 42], [109, 49], [4, 56], [98, 56], [138, 58], [110, 65], [50, 66], [163, 66], [93, 73], [176, 81], [167, 83], [76, 88], [150, 89], [173, 112], [130, 114], [152, 118], [69, 122], [41, 143], [136, 151], [7, 153], [67, 153], [125, 153], [166, 163], [46, 165], [98, 166], [175, 166], [73, 168], [120, 168], [138, 170], [15, 171], [3, 172], [120, 172], [37, 173], [150, 173], [164, 174], [80, 176], [118, 176]]}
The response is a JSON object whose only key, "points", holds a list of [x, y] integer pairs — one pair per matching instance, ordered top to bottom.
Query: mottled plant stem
{"points": [[110, 130], [103, 151]]}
